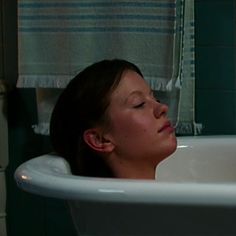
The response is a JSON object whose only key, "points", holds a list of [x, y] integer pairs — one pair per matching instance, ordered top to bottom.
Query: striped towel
{"points": [[59, 38]]}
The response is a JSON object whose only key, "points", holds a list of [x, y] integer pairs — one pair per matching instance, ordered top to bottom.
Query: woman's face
{"points": [[140, 129]]}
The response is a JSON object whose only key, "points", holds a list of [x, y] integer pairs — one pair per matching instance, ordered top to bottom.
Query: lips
{"points": [[166, 127]]}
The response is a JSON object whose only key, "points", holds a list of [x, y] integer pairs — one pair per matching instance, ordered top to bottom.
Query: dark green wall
{"points": [[215, 66], [27, 215], [30, 215]]}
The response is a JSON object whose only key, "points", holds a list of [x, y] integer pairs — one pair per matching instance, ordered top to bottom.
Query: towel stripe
{"points": [[95, 4], [97, 17], [96, 30]]}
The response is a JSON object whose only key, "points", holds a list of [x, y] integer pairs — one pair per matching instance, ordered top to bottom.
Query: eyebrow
{"points": [[136, 92], [140, 92]]}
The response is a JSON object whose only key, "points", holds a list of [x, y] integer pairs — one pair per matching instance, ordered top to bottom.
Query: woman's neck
{"points": [[132, 170]]}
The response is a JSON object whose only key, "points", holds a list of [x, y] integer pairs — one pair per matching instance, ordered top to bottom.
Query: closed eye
{"points": [[139, 105]]}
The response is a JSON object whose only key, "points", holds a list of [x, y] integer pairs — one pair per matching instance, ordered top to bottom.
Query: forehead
{"points": [[130, 81]]}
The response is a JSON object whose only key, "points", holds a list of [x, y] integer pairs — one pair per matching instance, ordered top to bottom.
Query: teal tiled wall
{"points": [[215, 65], [28, 214]]}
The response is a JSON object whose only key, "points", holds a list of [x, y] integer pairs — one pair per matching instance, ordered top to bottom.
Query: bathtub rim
{"points": [[61, 185], [125, 191]]}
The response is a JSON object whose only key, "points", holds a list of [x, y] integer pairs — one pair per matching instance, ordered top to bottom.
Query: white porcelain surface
{"points": [[198, 159], [210, 159], [195, 185]]}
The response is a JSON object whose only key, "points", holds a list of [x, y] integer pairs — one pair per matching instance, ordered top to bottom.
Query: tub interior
{"points": [[207, 159]]}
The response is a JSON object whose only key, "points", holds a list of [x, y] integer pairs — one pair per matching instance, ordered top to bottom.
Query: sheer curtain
{"points": [[57, 39]]}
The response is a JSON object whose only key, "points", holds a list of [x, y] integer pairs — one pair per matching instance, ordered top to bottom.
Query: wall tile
{"points": [[215, 22], [215, 68], [216, 111]]}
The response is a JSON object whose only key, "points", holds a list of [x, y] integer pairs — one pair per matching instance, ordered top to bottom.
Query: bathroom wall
{"points": [[215, 66], [215, 108], [27, 214]]}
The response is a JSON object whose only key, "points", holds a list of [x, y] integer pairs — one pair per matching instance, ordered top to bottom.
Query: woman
{"points": [[107, 123]]}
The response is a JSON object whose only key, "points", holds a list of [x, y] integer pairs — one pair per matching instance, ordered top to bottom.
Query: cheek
{"points": [[128, 125]]}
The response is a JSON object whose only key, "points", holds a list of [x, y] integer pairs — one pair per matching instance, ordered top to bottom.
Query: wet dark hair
{"points": [[82, 105]]}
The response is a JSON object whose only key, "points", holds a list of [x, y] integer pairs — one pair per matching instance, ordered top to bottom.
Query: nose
{"points": [[160, 109]]}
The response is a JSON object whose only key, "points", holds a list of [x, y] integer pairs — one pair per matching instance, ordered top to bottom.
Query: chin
{"points": [[174, 146], [170, 148]]}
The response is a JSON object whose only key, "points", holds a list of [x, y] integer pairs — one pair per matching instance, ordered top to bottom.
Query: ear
{"points": [[95, 139]]}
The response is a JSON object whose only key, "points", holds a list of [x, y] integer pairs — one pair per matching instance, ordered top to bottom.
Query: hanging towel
{"points": [[57, 39]]}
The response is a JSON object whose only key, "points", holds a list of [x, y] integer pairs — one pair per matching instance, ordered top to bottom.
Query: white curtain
{"points": [[57, 39]]}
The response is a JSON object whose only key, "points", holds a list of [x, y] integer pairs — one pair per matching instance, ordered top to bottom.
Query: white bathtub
{"points": [[195, 193]]}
